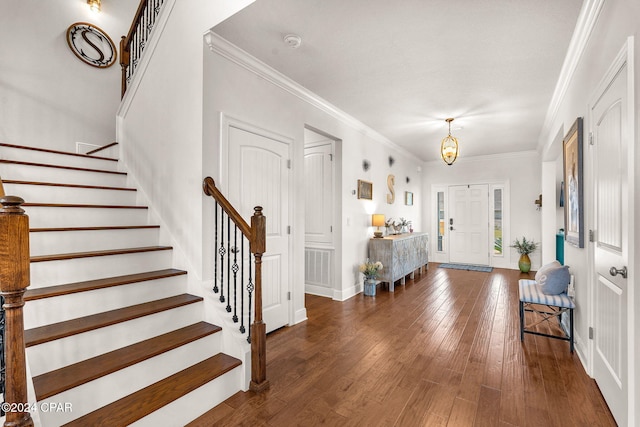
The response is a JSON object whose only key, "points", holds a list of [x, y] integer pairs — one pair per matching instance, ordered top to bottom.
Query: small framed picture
{"points": [[365, 190], [408, 198]]}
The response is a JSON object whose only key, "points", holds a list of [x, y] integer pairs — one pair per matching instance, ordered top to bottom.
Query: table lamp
{"points": [[377, 220]]}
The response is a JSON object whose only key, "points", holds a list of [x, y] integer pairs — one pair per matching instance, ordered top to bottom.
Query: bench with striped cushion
{"points": [[531, 296]]}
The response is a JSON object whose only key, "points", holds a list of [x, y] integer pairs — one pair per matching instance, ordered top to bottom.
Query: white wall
{"points": [[617, 21], [233, 90], [48, 97], [160, 126], [521, 171]]}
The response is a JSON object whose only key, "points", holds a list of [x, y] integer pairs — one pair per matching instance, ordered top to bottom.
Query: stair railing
{"points": [[132, 45], [227, 272], [14, 280]]}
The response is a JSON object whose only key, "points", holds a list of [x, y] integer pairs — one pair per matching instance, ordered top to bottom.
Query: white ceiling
{"points": [[403, 67]]}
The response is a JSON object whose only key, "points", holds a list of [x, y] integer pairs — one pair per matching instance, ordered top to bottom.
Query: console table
{"points": [[400, 255]]}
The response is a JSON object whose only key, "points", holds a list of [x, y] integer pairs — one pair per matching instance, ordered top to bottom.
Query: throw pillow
{"points": [[543, 270], [555, 280]]}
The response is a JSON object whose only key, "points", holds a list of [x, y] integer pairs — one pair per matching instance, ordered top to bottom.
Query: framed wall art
{"points": [[573, 185], [365, 190], [408, 198]]}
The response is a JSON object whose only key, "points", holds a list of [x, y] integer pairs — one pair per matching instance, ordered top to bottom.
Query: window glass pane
{"points": [[497, 221], [441, 225]]}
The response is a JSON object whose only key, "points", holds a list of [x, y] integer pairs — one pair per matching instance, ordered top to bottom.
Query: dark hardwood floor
{"points": [[442, 350]]}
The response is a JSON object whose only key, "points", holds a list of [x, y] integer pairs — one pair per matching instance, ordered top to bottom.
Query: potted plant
{"points": [[389, 225], [404, 225], [524, 248], [370, 271]]}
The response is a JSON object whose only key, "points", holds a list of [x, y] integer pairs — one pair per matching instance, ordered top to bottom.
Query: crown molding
{"points": [[587, 20], [242, 58]]}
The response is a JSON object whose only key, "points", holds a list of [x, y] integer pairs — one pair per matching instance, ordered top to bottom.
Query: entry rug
{"points": [[469, 267]]}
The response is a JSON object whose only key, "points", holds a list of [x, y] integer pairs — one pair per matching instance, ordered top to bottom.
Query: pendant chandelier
{"points": [[449, 146]]}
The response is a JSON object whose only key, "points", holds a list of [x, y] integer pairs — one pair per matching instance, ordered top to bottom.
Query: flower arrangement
{"points": [[404, 222], [397, 226], [525, 246], [370, 269]]}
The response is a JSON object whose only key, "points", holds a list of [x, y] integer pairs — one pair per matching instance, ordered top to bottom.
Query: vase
{"points": [[524, 263], [370, 287]]}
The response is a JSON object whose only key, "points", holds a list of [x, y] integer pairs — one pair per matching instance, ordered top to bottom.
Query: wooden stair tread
{"points": [[104, 147], [66, 153], [74, 168], [60, 184], [81, 205], [95, 228], [108, 252], [90, 285], [67, 328], [54, 382], [141, 403]]}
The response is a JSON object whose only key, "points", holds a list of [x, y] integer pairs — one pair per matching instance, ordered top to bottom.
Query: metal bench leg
{"points": [[521, 321], [571, 330]]}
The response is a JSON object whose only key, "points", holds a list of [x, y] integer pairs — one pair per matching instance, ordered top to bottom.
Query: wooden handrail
{"points": [[1, 188], [210, 189], [256, 234], [14, 280]]}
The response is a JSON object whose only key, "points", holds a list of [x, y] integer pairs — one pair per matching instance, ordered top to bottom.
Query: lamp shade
{"points": [[377, 220]]}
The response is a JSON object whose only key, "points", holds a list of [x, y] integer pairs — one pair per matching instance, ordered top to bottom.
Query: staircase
{"points": [[111, 335]]}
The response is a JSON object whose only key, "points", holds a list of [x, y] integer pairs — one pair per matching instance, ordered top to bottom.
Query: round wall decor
{"points": [[91, 45]]}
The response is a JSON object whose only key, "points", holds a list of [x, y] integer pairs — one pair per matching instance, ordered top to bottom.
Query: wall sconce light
{"points": [[94, 5], [449, 146], [538, 203], [377, 220]]}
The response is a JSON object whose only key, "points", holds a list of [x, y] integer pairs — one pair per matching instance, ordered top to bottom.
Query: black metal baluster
{"points": [[222, 251], [215, 258], [228, 264], [235, 274], [241, 283], [250, 288]]}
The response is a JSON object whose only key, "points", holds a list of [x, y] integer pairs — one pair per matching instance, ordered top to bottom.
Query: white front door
{"points": [[610, 128], [258, 175], [468, 224]]}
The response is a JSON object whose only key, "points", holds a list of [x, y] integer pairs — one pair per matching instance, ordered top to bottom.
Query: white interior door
{"points": [[610, 130], [258, 175], [318, 184], [468, 224]]}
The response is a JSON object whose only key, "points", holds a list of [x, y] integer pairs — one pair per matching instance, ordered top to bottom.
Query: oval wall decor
{"points": [[91, 45]]}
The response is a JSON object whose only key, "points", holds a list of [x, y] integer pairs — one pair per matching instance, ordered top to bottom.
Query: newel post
{"points": [[124, 63], [14, 279], [258, 328]]}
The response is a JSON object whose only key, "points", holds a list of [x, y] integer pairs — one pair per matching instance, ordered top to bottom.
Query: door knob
{"points": [[615, 271]]}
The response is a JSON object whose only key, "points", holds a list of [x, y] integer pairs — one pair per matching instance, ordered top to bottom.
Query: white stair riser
{"points": [[33, 156], [63, 176], [70, 195], [45, 217], [51, 242], [49, 273], [45, 311], [66, 351], [102, 391], [192, 405]]}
